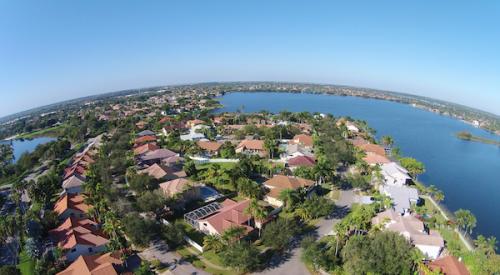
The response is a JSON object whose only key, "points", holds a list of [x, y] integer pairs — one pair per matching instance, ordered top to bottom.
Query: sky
{"points": [[52, 51]]}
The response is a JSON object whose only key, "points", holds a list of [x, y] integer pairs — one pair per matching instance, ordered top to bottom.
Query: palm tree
{"points": [[388, 141], [289, 197], [257, 212], [233, 234], [213, 242], [487, 245]]}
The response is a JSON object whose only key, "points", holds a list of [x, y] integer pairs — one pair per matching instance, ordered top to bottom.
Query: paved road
{"points": [[159, 250], [291, 264]]}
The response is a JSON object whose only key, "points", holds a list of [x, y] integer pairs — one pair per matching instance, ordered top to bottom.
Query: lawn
{"points": [[52, 131], [223, 165], [195, 261], [26, 264]]}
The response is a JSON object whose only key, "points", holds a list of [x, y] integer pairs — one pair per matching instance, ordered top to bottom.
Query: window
{"points": [[90, 249]]}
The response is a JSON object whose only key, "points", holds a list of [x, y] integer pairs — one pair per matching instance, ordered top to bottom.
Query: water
{"points": [[26, 146], [467, 172]]}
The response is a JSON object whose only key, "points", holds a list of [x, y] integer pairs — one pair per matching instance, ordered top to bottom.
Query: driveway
{"points": [[159, 250], [290, 263]]}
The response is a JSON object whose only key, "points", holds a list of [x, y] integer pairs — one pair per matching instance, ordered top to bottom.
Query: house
{"points": [[194, 122], [352, 127], [145, 133], [195, 133], [144, 139], [303, 139], [210, 147], [251, 147], [146, 148], [374, 148], [295, 150], [156, 156], [374, 159], [172, 161], [301, 161], [75, 169], [155, 171], [164, 173], [394, 174], [278, 183], [73, 184], [180, 186], [402, 196], [71, 205], [232, 214], [78, 237], [428, 241], [105, 264], [449, 265]]}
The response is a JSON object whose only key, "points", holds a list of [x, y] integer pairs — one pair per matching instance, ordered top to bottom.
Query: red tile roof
{"points": [[303, 139], [141, 140], [251, 145], [211, 146], [148, 147], [374, 148], [373, 158], [301, 161], [286, 182], [71, 201], [232, 214], [74, 231], [94, 265], [449, 265]]}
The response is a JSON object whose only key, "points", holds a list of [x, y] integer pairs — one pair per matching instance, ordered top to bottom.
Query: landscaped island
{"points": [[468, 136]]}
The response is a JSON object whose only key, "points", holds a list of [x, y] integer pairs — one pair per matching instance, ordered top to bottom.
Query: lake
{"points": [[27, 145], [467, 172]]}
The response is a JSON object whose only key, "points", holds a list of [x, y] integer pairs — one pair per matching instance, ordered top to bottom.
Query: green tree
{"points": [[413, 166], [190, 168], [248, 188], [289, 197], [151, 201], [257, 212], [465, 220], [139, 230], [174, 234], [277, 234], [213, 242], [384, 253], [241, 256], [9, 270]]}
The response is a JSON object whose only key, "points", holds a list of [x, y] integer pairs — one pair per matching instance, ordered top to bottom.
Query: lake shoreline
{"points": [[374, 97]]}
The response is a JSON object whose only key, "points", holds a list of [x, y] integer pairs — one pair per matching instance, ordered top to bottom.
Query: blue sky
{"points": [[56, 50]]}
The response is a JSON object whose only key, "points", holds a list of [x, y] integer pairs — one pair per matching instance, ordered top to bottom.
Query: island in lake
{"points": [[464, 135]]}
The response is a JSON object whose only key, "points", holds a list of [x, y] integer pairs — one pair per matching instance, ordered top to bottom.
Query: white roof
{"points": [[401, 195]]}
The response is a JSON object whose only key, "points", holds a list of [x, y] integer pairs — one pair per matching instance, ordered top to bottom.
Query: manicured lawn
{"points": [[223, 165], [195, 260], [26, 264]]}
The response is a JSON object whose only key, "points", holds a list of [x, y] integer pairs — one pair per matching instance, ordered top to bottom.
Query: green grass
{"points": [[52, 131], [223, 165], [192, 233], [195, 261], [26, 264]]}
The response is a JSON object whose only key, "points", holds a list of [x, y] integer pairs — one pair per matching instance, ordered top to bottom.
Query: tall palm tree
{"points": [[289, 197], [257, 212], [233, 234], [213, 242]]}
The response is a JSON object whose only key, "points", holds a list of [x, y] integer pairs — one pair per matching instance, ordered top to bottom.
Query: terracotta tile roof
{"points": [[166, 119], [194, 122], [144, 139], [303, 139], [358, 141], [251, 145], [211, 146], [148, 147], [374, 148], [373, 158], [301, 161], [74, 169], [155, 171], [286, 182], [172, 187], [71, 201], [232, 214], [74, 231], [94, 265], [449, 265]]}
